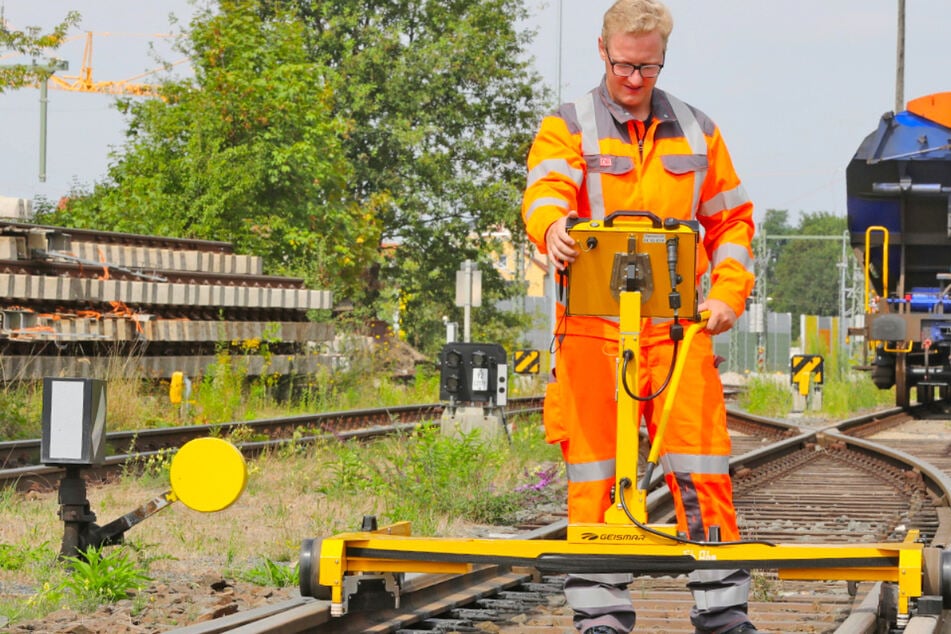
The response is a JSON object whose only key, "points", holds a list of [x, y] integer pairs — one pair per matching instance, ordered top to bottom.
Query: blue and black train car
{"points": [[899, 216]]}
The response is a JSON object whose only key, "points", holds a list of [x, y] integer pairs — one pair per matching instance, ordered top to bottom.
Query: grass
{"points": [[226, 394], [842, 396], [437, 483], [440, 484]]}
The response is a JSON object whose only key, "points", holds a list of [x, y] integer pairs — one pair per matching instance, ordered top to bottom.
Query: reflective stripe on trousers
{"points": [[714, 589], [719, 596], [600, 599]]}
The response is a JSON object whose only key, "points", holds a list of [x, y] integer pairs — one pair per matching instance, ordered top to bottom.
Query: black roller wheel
{"points": [[902, 386], [309, 571], [945, 578]]}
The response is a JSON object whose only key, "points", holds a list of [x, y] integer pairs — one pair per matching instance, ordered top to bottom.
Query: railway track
{"points": [[20, 459], [858, 481], [852, 482]]}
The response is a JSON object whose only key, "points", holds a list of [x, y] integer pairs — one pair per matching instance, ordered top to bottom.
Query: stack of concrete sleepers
{"points": [[70, 303]]}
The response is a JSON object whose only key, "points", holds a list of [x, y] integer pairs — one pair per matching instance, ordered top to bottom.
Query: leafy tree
{"points": [[34, 43], [444, 104], [387, 137], [247, 151], [776, 222], [767, 249], [805, 277]]}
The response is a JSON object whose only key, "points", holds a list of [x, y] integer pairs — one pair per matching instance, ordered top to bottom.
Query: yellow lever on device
{"points": [[690, 333]]}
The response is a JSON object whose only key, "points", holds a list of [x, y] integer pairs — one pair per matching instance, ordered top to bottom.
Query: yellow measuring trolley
{"points": [[631, 265]]}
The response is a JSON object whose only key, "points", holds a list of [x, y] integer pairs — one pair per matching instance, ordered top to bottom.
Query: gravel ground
{"points": [[198, 560], [168, 605]]}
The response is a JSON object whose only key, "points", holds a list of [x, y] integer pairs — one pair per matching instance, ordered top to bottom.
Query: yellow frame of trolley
{"points": [[618, 545]]}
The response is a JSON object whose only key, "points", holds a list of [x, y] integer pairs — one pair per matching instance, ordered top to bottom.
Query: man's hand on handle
{"points": [[561, 246], [722, 317]]}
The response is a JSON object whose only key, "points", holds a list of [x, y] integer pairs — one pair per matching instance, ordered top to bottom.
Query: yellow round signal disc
{"points": [[208, 474]]}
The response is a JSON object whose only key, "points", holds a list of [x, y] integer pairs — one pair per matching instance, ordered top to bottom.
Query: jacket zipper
{"points": [[638, 126]]}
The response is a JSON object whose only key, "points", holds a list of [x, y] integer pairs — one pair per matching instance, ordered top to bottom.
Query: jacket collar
{"points": [[660, 105]]}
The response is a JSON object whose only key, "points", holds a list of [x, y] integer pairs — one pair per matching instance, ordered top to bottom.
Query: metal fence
{"points": [[745, 350]]}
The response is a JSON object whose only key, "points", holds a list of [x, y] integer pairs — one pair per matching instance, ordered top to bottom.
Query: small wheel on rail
{"points": [[902, 386], [309, 571], [945, 577]]}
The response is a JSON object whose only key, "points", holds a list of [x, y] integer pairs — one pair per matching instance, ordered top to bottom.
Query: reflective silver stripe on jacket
{"points": [[698, 145], [591, 146], [555, 165], [542, 170], [724, 200], [546, 202], [732, 251], [591, 471]]}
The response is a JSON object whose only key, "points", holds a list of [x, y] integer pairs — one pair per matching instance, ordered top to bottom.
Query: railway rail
{"points": [[20, 459], [862, 479], [859, 480]]}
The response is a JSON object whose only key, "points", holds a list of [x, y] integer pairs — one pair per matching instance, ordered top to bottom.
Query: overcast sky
{"points": [[795, 85]]}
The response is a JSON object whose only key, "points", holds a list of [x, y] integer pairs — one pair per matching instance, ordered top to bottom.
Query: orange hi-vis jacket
{"points": [[592, 156]]}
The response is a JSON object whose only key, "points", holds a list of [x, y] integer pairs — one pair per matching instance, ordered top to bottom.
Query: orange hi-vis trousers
{"points": [[581, 415]]}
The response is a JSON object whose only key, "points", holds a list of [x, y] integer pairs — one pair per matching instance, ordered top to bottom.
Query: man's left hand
{"points": [[722, 317]]}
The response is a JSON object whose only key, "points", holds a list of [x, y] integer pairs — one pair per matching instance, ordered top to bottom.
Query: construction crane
{"points": [[84, 82]]}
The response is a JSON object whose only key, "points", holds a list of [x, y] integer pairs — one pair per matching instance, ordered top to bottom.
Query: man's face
{"points": [[634, 92]]}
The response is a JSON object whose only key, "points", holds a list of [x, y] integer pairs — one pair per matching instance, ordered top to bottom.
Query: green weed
{"points": [[226, 391], [853, 394], [842, 395], [21, 406], [152, 468], [349, 469], [434, 476], [431, 479], [21, 556], [272, 574], [100, 577], [93, 578], [765, 586], [48, 599]]}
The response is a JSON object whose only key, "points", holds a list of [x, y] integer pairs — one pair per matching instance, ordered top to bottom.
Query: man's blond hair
{"points": [[638, 17]]}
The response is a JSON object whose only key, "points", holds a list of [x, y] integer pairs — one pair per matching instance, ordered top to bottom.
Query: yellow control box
{"points": [[634, 251]]}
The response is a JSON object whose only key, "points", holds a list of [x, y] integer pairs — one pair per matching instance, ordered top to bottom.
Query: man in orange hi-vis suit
{"points": [[627, 145]]}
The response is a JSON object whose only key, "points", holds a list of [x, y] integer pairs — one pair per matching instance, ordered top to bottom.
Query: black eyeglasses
{"points": [[622, 69]]}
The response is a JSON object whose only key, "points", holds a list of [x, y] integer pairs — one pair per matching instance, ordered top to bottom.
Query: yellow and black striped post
{"points": [[527, 361], [806, 372]]}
